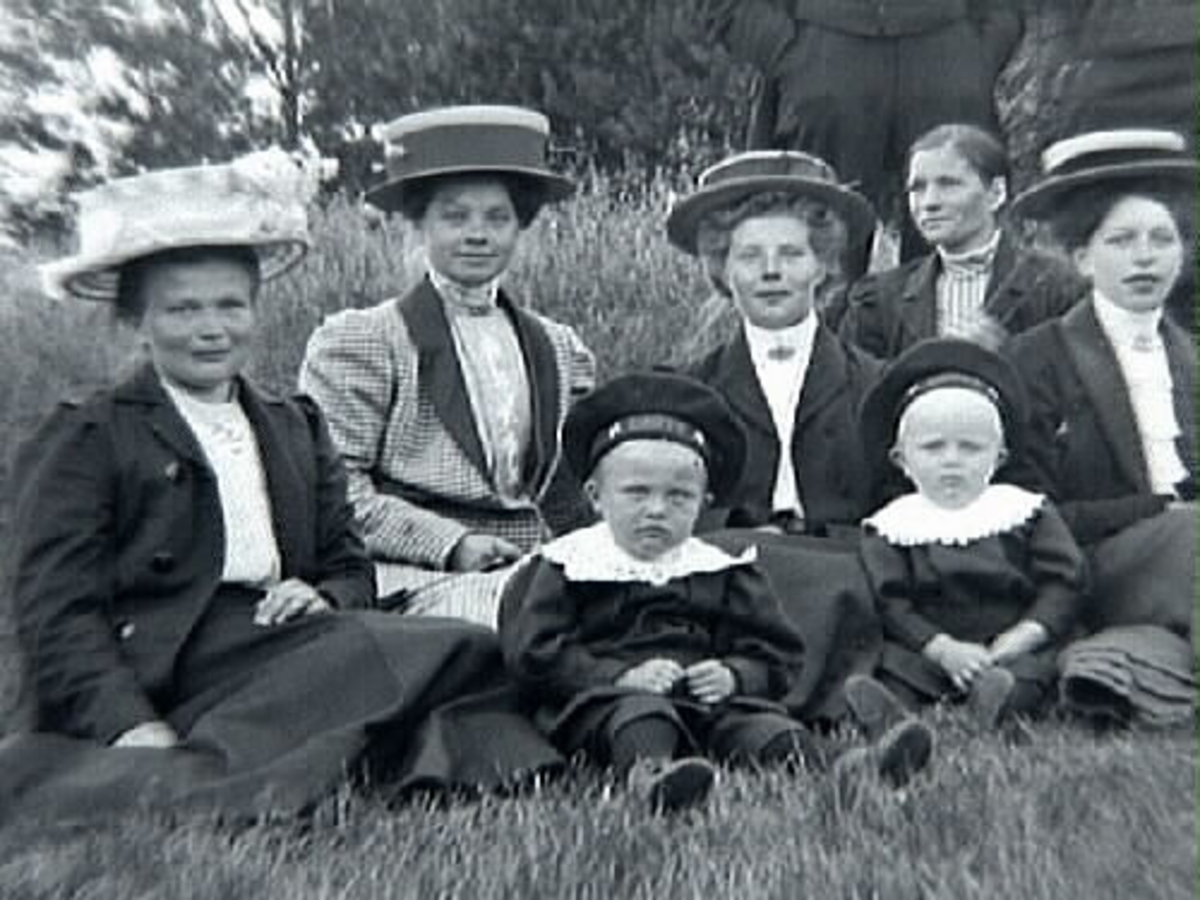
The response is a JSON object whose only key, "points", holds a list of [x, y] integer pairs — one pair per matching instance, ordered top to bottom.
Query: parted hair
{"points": [[527, 194], [1081, 210], [826, 235]]}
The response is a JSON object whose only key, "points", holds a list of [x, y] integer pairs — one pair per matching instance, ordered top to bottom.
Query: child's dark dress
{"points": [[972, 574], [581, 613]]}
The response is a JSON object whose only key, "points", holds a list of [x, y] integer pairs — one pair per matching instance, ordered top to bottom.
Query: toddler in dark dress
{"points": [[977, 583], [644, 646]]}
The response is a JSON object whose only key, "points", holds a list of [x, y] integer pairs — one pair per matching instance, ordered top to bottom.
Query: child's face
{"points": [[950, 442], [650, 493]]}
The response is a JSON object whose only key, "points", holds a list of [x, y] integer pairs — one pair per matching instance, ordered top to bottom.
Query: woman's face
{"points": [[950, 203], [470, 230], [1135, 255], [772, 270], [199, 320]]}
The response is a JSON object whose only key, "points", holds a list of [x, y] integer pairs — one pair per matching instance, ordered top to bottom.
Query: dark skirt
{"points": [[822, 587], [273, 719]]}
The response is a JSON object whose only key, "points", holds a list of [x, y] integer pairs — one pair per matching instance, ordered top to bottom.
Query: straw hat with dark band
{"points": [[464, 140], [1106, 156], [761, 171], [257, 201]]}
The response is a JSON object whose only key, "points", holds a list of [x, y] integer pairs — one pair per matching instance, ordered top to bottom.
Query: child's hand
{"points": [[1025, 636], [961, 660], [654, 676], [710, 681]]}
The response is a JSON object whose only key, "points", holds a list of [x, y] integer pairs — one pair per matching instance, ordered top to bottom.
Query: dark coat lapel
{"points": [[1006, 287], [918, 303], [1182, 361], [1095, 364], [437, 369], [737, 379], [823, 382], [544, 390], [165, 420], [286, 483]]}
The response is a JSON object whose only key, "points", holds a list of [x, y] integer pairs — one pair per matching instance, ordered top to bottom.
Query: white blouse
{"points": [[781, 359], [1143, 360], [227, 439]]}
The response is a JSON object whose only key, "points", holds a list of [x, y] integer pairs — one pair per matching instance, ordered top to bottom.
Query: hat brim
{"points": [[389, 195], [1042, 199], [683, 222], [97, 277], [880, 411]]}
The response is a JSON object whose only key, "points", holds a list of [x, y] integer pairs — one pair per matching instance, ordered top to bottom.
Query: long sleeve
{"points": [[753, 31], [355, 375], [1059, 573], [346, 574], [63, 576], [889, 576], [539, 632], [764, 650]]}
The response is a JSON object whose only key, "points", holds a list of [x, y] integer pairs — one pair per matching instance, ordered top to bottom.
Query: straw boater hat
{"points": [[460, 140], [1106, 156], [759, 171], [257, 201], [936, 363], [658, 406]]}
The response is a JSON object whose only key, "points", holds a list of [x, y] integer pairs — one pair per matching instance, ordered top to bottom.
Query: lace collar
{"points": [[478, 300], [912, 520], [591, 554]]}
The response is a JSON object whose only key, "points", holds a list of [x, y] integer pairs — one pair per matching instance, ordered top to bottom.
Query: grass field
{"points": [[1067, 815]]}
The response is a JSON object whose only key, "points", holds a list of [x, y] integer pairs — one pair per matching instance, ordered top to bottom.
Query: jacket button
{"points": [[162, 562], [126, 631]]}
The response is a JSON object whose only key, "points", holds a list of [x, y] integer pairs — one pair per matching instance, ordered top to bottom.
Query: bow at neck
{"points": [[462, 299]]}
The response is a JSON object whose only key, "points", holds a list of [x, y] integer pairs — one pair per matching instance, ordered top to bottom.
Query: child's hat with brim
{"points": [[467, 140], [1098, 157], [761, 171], [258, 201], [934, 363], [658, 406]]}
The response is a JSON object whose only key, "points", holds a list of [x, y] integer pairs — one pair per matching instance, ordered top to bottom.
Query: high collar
{"points": [[978, 261], [480, 299], [1123, 327], [798, 337]]}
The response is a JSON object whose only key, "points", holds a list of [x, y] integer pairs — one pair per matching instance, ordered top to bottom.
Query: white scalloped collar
{"points": [[913, 520], [592, 554]]}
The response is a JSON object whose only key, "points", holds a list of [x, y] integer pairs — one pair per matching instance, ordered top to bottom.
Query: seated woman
{"points": [[770, 228], [979, 283], [1113, 386], [446, 403], [190, 589]]}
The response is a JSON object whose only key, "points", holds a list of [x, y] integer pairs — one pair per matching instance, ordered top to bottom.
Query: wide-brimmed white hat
{"points": [[463, 140], [1106, 156], [760, 171], [256, 201]]}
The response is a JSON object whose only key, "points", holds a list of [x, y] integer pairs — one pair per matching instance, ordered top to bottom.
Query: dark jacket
{"points": [[738, 20], [890, 311], [1084, 445], [831, 471], [119, 544]]}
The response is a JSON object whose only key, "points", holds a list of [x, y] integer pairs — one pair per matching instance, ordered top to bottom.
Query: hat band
{"points": [[466, 146], [1112, 158], [948, 380], [649, 426]]}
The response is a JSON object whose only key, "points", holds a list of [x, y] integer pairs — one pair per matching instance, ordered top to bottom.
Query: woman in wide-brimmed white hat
{"points": [[1113, 387], [446, 403], [189, 586]]}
